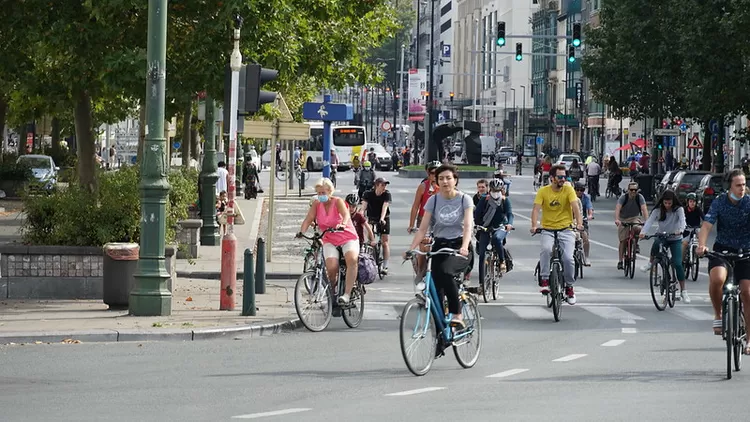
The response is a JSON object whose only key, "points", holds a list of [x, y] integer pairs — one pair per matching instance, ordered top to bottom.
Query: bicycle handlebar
{"points": [[490, 229], [540, 230], [662, 235], [318, 236], [441, 251], [728, 256]]}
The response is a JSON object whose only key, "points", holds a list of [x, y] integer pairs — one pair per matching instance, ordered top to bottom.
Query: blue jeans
{"points": [[483, 239], [675, 246]]}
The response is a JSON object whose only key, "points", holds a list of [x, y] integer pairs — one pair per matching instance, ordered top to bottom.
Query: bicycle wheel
{"points": [[280, 174], [379, 259], [632, 259], [695, 262], [489, 275], [496, 282], [672, 287], [658, 290], [555, 292], [316, 300], [354, 312], [728, 317], [421, 332], [740, 337], [467, 347]]}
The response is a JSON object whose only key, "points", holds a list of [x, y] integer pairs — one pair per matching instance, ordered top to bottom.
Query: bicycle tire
{"points": [[280, 175], [633, 257], [696, 263], [489, 275], [496, 283], [655, 283], [671, 287], [320, 289], [556, 292], [346, 314], [728, 323], [476, 326], [740, 329], [408, 333]]}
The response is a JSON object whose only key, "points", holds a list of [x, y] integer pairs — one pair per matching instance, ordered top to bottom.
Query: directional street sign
{"points": [[331, 112], [713, 125], [683, 127], [263, 129], [667, 132], [539, 140], [695, 142]]}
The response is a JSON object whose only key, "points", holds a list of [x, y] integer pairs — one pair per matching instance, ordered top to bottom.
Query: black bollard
{"points": [[260, 267], [248, 286]]}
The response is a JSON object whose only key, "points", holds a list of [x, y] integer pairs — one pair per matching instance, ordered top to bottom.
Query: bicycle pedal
{"points": [[336, 312]]}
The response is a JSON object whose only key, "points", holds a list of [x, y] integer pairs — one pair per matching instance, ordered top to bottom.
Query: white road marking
{"points": [[585, 290], [530, 312], [611, 312], [693, 314], [627, 321], [629, 330], [613, 343], [569, 358], [507, 373], [413, 392], [274, 413]]}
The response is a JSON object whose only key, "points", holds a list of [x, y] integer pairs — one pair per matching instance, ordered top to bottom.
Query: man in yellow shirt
{"points": [[559, 205]]}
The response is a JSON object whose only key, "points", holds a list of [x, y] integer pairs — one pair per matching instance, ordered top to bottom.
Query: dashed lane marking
{"points": [[530, 312], [611, 312], [627, 321], [629, 330], [613, 343], [570, 357], [507, 373], [417, 391], [273, 413]]}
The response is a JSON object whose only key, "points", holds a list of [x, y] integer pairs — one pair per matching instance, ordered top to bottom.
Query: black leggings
{"points": [[445, 267]]}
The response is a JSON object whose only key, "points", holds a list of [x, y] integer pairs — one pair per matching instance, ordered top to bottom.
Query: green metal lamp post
{"points": [[208, 177], [150, 296]]}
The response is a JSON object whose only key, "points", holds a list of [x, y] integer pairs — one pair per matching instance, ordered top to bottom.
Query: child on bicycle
{"points": [[669, 217], [693, 220], [359, 221]]}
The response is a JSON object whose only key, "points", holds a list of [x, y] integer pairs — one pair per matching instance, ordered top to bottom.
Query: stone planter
{"points": [[188, 238], [58, 272]]}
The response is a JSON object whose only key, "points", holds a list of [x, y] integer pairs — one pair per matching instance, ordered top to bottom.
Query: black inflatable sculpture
{"points": [[441, 132], [472, 143]]}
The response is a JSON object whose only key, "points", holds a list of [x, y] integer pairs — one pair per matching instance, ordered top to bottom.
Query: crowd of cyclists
{"points": [[442, 216]]}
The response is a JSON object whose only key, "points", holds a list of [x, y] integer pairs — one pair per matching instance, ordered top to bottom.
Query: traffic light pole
{"points": [[430, 88], [327, 144], [229, 241], [150, 296]]}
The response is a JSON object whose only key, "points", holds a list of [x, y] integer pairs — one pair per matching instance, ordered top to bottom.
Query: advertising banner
{"points": [[417, 94]]}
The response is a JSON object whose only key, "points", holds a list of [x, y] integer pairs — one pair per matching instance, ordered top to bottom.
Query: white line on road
{"points": [[530, 312], [611, 312], [693, 314], [627, 321], [629, 330], [613, 343], [569, 358], [507, 373], [417, 391], [274, 413]]}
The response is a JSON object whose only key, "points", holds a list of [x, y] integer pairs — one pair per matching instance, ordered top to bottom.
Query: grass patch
{"points": [[460, 167]]}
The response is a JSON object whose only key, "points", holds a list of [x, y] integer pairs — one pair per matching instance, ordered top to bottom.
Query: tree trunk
{"points": [[3, 113], [187, 119], [141, 131], [56, 137], [85, 142], [194, 144], [706, 161]]}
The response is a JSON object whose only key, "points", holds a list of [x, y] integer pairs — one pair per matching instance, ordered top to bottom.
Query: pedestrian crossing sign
{"points": [[695, 142]]}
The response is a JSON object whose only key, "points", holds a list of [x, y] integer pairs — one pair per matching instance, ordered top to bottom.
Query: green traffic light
{"points": [[501, 41], [576, 43], [519, 57], [571, 59]]}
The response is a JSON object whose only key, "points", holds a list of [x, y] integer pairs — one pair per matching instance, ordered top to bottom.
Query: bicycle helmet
{"points": [[432, 165], [496, 185], [580, 186], [690, 196], [351, 199]]}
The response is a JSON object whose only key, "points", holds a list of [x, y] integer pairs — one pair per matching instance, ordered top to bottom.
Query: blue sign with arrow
{"points": [[327, 112], [713, 125], [683, 127], [539, 140]]}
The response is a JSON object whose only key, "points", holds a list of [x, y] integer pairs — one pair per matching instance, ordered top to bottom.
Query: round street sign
{"points": [[482, 119], [386, 125], [176, 145]]}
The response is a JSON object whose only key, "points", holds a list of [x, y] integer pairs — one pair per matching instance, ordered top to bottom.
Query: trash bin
{"points": [[646, 185], [118, 270]]}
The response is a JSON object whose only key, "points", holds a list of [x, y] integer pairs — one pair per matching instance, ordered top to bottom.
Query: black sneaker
{"points": [[619, 265]]}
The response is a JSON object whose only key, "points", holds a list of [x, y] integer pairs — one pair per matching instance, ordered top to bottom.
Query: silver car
{"points": [[43, 167]]}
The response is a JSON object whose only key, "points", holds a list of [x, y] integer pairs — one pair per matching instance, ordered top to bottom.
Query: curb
{"points": [[216, 275], [94, 336]]}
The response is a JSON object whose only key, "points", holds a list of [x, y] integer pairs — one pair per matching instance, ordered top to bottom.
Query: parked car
{"points": [[505, 155], [384, 158], [567, 159], [43, 168], [686, 182], [665, 183], [711, 186]]}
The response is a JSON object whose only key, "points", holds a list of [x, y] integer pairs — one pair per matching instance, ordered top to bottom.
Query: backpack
{"points": [[368, 180], [637, 198], [367, 270]]}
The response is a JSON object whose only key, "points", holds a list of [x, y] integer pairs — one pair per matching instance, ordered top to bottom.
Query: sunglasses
{"points": [[561, 177], [633, 190]]}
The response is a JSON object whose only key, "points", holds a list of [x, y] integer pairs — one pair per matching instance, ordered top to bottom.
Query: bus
{"points": [[349, 142], [312, 148]]}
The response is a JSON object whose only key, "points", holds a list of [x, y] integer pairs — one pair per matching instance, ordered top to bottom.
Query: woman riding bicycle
{"points": [[330, 212], [493, 212], [449, 214], [669, 217]]}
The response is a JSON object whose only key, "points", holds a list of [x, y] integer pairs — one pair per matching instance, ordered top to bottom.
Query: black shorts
{"points": [[381, 228], [741, 268]]}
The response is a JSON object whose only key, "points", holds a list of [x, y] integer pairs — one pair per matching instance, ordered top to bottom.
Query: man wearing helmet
{"points": [[365, 179], [376, 203], [630, 208], [587, 210], [493, 212]]}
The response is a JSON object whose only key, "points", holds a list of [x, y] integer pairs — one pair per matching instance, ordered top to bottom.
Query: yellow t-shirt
{"points": [[557, 212]]}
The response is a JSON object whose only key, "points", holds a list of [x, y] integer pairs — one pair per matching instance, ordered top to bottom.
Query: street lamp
{"points": [[523, 111], [505, 114], [515, 115], [150, 295]]}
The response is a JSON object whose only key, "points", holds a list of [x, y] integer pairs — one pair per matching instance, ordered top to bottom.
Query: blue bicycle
{"points": [[438, 335]]}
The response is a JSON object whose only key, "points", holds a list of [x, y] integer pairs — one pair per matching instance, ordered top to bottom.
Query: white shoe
{"points": [[646, 268], [684, 296], [344, 299]]}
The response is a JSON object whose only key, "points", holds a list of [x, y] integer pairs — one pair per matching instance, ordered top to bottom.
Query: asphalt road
{"points": [[613, 357]]}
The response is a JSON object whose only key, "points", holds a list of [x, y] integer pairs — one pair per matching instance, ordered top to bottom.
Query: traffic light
{"points": [[501, 34], [576, 35], [519, 52], [571, 54], [254, 96], [451, 96], [659, 142]]}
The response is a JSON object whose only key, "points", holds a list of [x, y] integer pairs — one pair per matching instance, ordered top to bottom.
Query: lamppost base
{"points": [[210, 236], [151, 302]]}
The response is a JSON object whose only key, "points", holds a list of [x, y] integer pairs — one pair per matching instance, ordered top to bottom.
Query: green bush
{"points": [[11, 171], [75, 217]]}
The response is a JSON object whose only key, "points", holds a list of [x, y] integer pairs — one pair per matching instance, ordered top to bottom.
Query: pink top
{"points": [[332, 218]]}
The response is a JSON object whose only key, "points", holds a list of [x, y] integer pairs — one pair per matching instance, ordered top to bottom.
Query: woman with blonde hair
{"points": [[329, 211]]}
